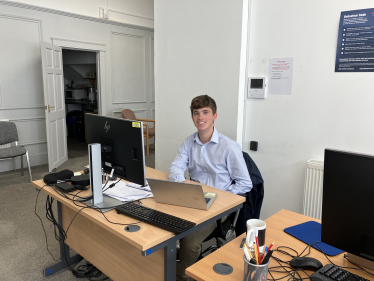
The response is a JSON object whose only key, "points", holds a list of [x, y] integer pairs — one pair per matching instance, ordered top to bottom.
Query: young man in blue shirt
{"points": [[212, 159]]}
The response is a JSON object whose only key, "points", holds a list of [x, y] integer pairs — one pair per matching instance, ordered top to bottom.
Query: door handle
{"points": [[48, 107]]}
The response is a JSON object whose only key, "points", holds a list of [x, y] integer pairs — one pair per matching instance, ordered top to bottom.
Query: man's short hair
{"points": [[203, 101]]}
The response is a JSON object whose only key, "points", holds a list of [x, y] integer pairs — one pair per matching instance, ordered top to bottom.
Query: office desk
{"points": [[149, 254], [233, 255]]}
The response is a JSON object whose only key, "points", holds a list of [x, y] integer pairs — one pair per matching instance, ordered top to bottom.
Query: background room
{"points": [[121, 48]]}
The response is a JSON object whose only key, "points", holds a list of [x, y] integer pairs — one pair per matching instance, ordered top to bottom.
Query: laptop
{"points": [[181, 194]]}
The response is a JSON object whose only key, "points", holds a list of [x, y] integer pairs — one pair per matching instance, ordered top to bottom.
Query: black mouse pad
{"points": [[310, 232]]}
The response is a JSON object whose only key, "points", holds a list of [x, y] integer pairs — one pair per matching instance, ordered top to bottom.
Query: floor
{"points": [[76, 148]]}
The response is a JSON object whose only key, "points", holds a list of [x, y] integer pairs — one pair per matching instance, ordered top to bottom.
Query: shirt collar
{"points": [[214, 137]]}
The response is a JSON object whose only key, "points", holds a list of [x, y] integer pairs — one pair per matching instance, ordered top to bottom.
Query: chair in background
{"points": [[148, 132], [8, 135], [238, 221]]}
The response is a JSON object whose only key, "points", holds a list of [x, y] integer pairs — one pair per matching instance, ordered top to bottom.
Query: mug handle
{"points": [[248, 239]]}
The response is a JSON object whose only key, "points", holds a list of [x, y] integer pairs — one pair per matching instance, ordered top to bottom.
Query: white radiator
{"points": [[313, 186]]}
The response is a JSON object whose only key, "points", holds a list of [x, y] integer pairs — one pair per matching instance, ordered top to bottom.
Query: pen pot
{"points": [[255, 272]]}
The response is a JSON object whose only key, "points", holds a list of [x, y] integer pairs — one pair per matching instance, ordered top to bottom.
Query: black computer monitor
{"points": [[122, 146], [348, 203]]}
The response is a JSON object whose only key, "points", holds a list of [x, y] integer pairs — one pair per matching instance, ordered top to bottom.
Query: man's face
{"points": [[203, 119]]}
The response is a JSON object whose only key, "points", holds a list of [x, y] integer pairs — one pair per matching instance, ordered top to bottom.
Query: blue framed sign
{"points": [[355, 48]]}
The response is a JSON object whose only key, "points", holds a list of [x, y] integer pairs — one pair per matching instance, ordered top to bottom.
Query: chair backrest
{"points": [[128, 114], [8, 132], [252, 207]]}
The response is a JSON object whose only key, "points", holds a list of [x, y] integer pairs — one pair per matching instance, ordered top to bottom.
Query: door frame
{"points": [[100, 50]]}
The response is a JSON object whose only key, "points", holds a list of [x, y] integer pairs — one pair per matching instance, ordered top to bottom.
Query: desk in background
{"points": [[84, 103], [150, 253], [233, 255]]}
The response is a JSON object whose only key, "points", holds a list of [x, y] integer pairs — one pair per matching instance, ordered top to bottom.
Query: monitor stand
{"points": [[104, 203], [360, 261]]}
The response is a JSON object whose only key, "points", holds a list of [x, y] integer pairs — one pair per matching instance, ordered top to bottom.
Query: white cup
{"points": [[255, 228]]}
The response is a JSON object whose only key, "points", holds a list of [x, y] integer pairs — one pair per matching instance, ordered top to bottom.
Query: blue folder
{"points": [[310, 232]]}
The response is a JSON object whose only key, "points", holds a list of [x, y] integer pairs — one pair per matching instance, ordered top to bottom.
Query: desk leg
{"points": [[65, 258], [170, 262]]}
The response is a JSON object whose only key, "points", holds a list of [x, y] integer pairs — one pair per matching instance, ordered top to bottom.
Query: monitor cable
{"points": [[110, 186]]}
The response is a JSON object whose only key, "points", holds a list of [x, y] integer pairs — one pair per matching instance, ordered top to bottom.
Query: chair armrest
{"points": [[146, 120], [146, 128], [226, 228]]}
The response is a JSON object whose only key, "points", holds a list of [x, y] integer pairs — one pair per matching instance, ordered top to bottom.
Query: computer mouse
{"points": [[306, 263]]}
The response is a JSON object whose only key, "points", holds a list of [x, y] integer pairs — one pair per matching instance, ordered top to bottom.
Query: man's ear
{"points": [[214, 116]]}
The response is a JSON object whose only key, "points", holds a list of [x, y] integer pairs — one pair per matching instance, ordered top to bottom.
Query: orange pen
{"points": [[256, 253]]}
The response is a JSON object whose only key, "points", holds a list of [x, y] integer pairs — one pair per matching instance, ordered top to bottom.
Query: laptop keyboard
{"points": [[207, 200]]}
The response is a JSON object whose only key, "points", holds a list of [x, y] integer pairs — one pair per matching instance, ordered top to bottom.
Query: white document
{"points": [[280, 76], [138, 186], [125, 193]]}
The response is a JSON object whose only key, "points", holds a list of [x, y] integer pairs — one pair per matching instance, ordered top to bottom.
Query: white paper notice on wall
{"points": [[280, 76]]}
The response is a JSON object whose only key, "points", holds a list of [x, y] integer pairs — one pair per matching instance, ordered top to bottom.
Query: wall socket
{"points": [[253, 145]]}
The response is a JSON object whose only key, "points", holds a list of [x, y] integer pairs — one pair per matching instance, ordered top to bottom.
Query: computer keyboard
{"points": [[159, 219], [331, 272]]}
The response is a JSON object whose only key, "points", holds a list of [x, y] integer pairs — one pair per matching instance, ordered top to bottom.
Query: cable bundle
{"points": [[293, 274]]}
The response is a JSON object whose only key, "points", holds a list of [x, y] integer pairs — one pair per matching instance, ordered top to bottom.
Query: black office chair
{"points": [[235, 224]]}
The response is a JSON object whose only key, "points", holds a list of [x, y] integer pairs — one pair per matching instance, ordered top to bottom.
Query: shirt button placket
{"points": [[202, 158], [205, 176]]}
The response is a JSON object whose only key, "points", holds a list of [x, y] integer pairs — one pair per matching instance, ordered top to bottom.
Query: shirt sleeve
{"points": [[180, 164], [238, 171]]}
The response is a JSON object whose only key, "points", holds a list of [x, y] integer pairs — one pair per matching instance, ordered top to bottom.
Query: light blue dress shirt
{"points": [[215, 163]]}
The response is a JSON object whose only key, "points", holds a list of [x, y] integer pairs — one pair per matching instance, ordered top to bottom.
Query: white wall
{"points": [[138, 12], [197, 51], [21, 85], [326, 109]]}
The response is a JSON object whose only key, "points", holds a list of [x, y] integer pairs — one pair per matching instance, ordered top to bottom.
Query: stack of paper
{"points": [[138, 186], [126, 192]]}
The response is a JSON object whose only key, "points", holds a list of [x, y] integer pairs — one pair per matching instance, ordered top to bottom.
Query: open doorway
{"points": [[80, 77]]}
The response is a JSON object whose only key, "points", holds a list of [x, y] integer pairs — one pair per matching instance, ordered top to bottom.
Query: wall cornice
{"points": [[72, 15]]}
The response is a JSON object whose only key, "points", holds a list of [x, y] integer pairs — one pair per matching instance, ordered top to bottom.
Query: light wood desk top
{"points": [[149, 235], [233, 255]]}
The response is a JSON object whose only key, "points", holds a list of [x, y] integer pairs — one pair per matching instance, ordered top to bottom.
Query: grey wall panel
{"points": [[128, 68], [20, 71]]}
